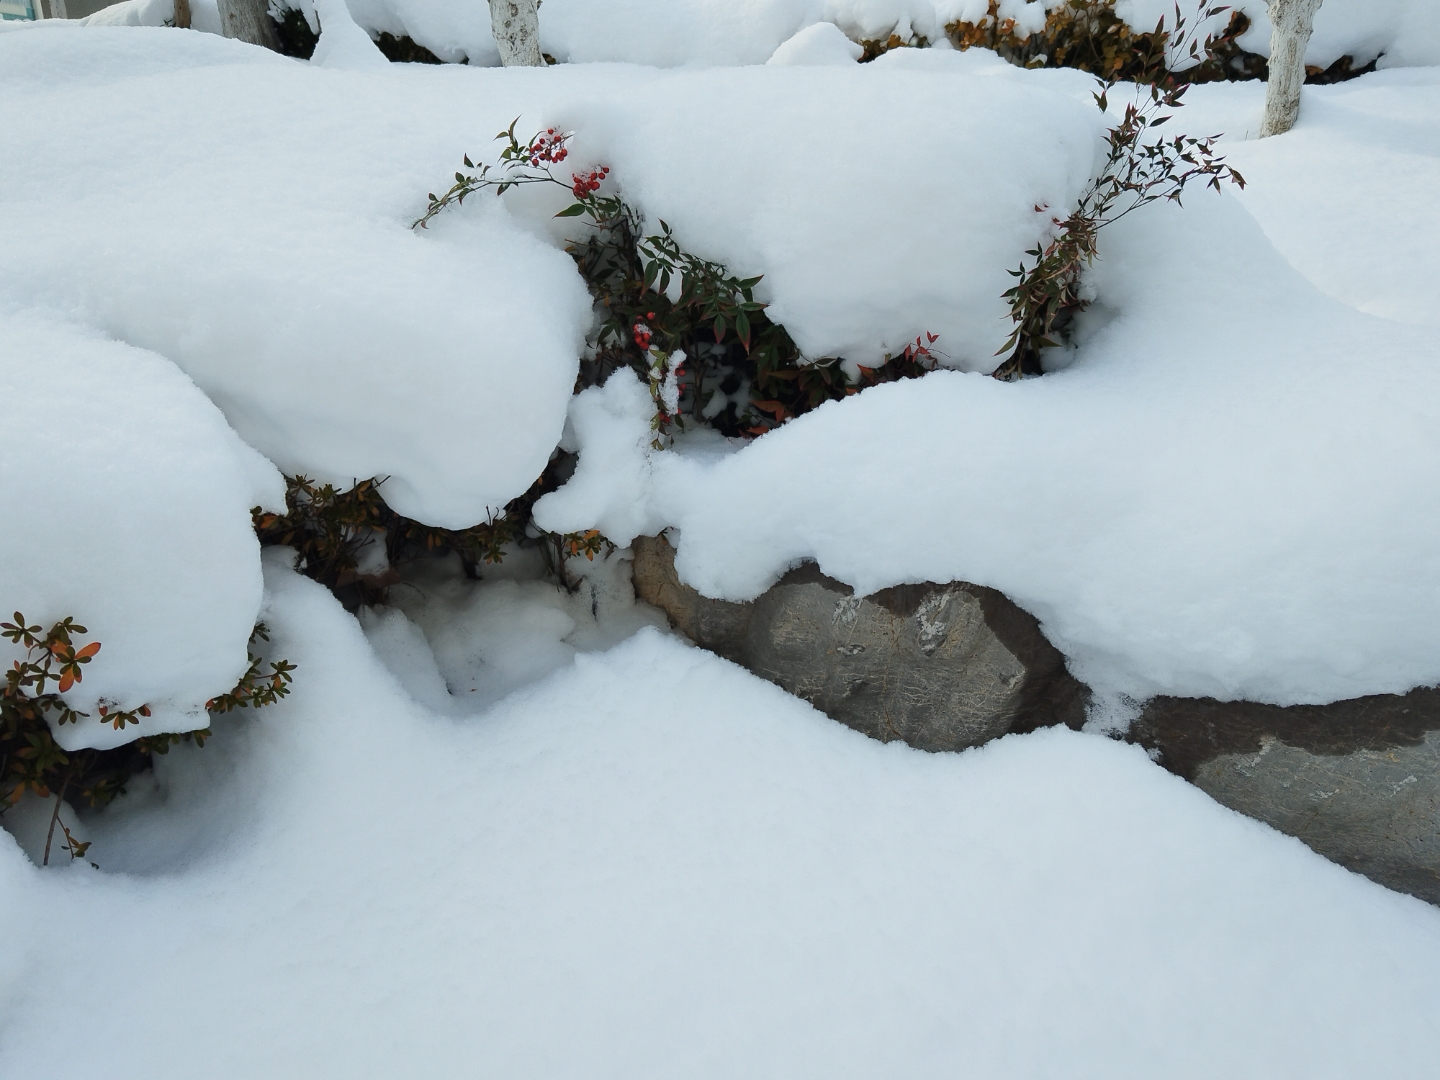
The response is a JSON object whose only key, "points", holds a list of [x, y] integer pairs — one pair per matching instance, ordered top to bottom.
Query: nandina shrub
{"points": [[1090, 36], [1047, 296], [687, 326], [30, 758]]}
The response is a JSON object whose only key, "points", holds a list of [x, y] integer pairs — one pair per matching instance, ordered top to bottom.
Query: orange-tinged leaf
{"points": [[88, 651], [66, 682]]}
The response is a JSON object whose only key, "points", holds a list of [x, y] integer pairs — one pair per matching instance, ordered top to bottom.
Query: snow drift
{"points": [[654, 864]]}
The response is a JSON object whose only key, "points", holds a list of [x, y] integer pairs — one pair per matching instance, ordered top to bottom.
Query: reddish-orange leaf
{"points": [[88, 651]]}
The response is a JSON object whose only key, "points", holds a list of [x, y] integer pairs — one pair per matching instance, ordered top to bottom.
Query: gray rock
{"points": [[941, 667], [1358, 781]]}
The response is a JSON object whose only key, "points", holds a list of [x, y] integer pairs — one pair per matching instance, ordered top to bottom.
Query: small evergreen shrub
{"points": [[1090, 36], [296, 37], [30, 758]]}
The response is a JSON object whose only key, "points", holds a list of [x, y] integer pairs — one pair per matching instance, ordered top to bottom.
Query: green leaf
{"points": [[573, 210]]}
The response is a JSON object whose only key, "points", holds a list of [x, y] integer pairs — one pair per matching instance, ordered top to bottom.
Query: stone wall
{"points": [[945, 667]]}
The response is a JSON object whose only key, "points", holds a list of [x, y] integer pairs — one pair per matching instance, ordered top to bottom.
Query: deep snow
{"points": [[1231, 459], [1228, 492], [471, 843], [654, 864]]}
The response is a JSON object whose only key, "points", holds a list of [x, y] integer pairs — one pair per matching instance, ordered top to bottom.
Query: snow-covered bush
{"points": [[1092, 36], [689, 327], [32, 761]]}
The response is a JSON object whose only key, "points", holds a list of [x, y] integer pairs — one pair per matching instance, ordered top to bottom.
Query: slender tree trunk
{"points": [[182, 14], [249, 21], [1291, 22], [516, 26]]}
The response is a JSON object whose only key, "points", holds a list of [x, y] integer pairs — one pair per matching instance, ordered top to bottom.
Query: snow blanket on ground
{"points": [[653, 865]]}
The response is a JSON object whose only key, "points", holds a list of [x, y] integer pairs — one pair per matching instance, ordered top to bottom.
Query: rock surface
{"points": [[941, 667], [1358, 781]]}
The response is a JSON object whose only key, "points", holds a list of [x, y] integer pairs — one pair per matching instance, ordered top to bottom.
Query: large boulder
{"points": [[941, 667], [1358, 780]]}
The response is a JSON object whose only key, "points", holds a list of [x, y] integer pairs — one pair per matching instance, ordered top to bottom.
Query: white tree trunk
{"points": [[249, 21], [1291, 22], [516, 26]]}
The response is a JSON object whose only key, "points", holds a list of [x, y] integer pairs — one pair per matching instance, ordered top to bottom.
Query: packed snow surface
{"points": [[127, 508], [654, 864]]}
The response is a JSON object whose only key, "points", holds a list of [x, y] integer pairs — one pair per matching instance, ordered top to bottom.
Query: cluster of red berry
{"points": [[548, 146], [589, 182], [642, 333]]}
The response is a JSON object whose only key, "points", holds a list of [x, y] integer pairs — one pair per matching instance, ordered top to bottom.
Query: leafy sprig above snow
{"points": [[1136, 172]]}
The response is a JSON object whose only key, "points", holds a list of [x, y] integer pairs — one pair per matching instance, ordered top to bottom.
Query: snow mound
{"points": [[204, 15], [342, 43], [817, 46], [879, 204], [254, 230], [1222, 495], [129, 509], [654, 864]]}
